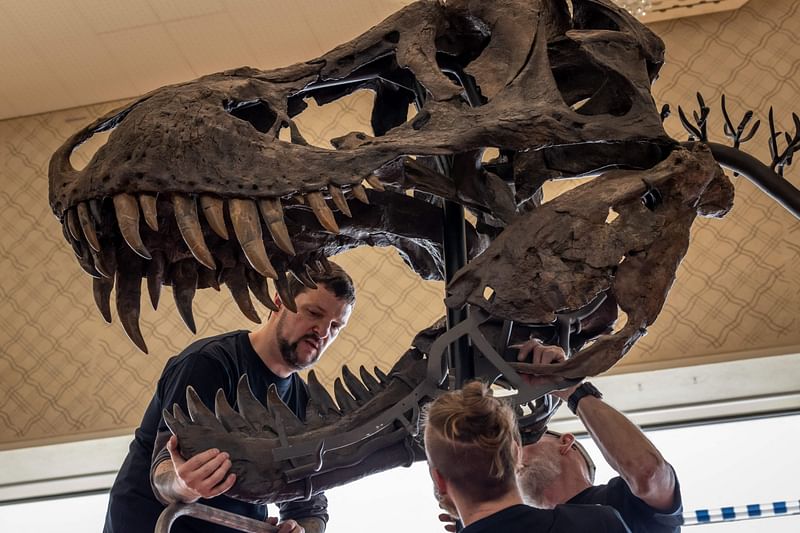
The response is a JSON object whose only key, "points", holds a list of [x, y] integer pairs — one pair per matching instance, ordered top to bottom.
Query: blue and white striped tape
{"points": [[741, 512]]}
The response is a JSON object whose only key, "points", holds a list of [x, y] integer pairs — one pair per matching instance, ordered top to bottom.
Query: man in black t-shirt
{"points": [[473, 445], [557, 470], [154, 473]]}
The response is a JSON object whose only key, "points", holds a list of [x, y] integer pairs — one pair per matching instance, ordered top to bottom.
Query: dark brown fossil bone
{"points": [[558, 93], [560, 256], [251, 434]]}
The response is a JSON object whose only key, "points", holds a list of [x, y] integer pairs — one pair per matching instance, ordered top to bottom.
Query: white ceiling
{"points": [[59, 54]]}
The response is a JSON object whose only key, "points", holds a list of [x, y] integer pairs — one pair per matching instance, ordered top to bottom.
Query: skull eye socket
{"points": [[257, 113], [652, 198]]}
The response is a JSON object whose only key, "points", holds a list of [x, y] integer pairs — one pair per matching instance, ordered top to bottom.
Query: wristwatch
{"points": [[585, 389]]}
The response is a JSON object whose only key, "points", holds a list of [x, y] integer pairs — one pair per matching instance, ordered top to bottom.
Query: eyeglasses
{"points": [[581, 450]]}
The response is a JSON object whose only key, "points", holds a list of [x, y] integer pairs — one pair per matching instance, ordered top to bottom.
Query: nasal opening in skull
{"points": [[256, 112], [83, 153]]}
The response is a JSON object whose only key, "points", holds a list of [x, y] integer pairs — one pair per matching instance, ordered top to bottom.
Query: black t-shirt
{"points": [[207, 365], [640, 517], [562, 519]]}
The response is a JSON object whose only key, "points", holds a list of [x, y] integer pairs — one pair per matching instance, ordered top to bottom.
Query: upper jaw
{"points": [[197, 241]]}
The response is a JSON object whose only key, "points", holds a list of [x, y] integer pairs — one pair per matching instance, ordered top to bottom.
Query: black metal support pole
{"points": [[776, 187], [455, 256]]}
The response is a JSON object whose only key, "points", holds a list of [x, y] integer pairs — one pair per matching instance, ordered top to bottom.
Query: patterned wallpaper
{"points": [[737, 293], [66, 375]]}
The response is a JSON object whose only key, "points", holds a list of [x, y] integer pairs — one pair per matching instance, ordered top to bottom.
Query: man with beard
{"points": [[557, 469], [155, 474]]}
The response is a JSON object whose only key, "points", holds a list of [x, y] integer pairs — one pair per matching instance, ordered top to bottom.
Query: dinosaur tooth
{"points": [[375, 183], [360, 193], [338, 198], [299, 199], [148, 204], [94, 209], [213, 210], [127, 211], [272, 211], [323, 213], [85, 220], [72, 225], [189, 226], [247, 227], [81, 253], [85, 259], [108, 259], [101, 266], [316, 266], [327, 268], [156, 270], [304, 277], [207, 278], [234, 278], [184, 285], [258, 286], [101, 290], [129, 291], [285, 293], [381, 376], [369, 380], [356, 388], [320, 396], [346, 402], [251, 409], [198, 411], [281, 412], [227, 415], [175, 420], [172, 422]]}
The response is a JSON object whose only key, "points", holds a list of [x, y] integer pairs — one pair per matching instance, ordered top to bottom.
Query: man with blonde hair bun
{"points": [[473, 448]]}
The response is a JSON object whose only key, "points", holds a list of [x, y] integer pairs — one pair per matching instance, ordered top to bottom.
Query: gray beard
{"points": [[533, 478]]}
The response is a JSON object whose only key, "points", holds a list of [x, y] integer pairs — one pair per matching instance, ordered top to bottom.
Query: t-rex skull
{"points": [[559, 92]]}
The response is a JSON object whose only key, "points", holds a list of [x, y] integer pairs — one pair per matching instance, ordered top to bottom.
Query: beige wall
{"points": [[66, 375]]}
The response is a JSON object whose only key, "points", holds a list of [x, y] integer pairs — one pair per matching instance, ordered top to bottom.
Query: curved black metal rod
{"points": [[776, 187]]}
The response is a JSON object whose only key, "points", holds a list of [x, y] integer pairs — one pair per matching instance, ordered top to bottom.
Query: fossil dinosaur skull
{"points": [[560, 93]]}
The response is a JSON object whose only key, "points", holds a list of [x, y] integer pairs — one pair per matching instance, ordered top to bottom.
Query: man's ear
{"points": [[278, 302], [567, 440], [439, 481]]}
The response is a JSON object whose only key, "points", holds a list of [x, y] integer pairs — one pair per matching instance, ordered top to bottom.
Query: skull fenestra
{"points": [[558, 90]]}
